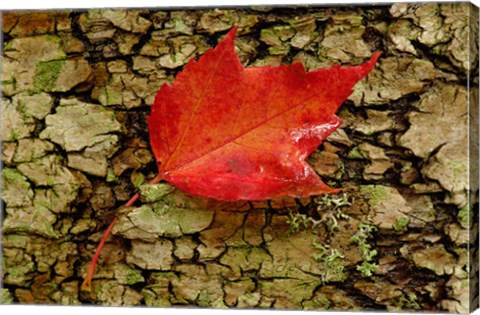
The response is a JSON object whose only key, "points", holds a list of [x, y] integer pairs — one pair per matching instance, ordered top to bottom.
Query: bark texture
{"points": [[76, 92]]}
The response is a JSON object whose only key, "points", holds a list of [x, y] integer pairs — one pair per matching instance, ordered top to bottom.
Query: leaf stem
{"points": [[87, 282]]}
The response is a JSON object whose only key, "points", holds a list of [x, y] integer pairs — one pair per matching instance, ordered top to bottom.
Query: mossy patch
{"points": [[180, 26], [53, 38], [277, 38], [8, 47], [46, 74], [12, 82], [111, 97], [355, 154], [13, 176], [111, 178], [138, 179], [16, 190], [154, 192], [374, 193], [465, 216], [401, 224], [14, 240], [127, 275], [5, 296], [156, 299], [321, 302]]}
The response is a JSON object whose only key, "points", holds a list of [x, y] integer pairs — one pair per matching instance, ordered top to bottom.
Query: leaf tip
{"points": [[233, 32], [375, 57], [367, 67]]}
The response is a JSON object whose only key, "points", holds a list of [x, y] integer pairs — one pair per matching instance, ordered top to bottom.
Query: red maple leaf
{"points": [[228, 132]]}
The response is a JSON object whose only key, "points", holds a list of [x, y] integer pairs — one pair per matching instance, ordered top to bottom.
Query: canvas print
{"points": [[299, 157]]}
